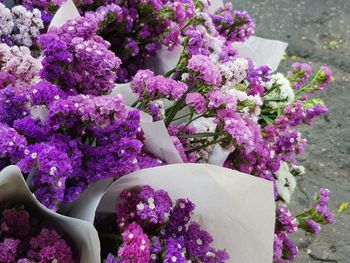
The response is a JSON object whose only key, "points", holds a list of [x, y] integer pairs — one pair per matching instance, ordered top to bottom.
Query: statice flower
{"points": [[6, 21], [27, 25], [236, 27], [77, 59], [21, 69], [206, 69], [235, 71], [299, 75], [323, 77], [151, 87], [279, 92], [44, 93], [197, 101], [12, 106], [81, 140], [13, 146], [51, 168], [179, 217], [285, 221], [15, 223], [155, 230], [25, 238], [49, 245], [135, 245], [285, 249], [8, 250], [175, 250]]}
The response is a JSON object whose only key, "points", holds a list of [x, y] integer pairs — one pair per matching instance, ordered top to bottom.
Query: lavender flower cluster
{"points": [[20, 26], [78, 60], [62, 140], [82, 140], [153, 229], [24, 238]]}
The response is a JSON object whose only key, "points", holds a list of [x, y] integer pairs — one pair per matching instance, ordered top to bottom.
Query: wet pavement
{"points": [[318, 32]]}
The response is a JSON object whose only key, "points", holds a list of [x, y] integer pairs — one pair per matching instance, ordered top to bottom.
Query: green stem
{"points": [[168, 74], [304, 88], [278, 100], [134, 104], [179, 118], [192, 120], [199, 135]]}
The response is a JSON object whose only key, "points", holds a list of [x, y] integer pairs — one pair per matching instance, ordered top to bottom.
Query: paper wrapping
{"points": [[66, 12], [262, 51], [14, 189], [236, 208]]}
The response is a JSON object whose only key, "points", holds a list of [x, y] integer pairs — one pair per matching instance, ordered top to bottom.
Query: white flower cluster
{"points": [[6, 21], [21, 25], [28, 25], [235, 71], [282, 93], [253, 102], [204, 125], [286, 182]]}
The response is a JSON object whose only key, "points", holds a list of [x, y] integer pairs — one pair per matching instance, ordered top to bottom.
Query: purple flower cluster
{"points": [[236, 27], [137, 29], [77, 59], [206, 69], [300, 74], [150, 87], [12, 106], [82, 140], [12, 146], [310, 221], [155, 230], [24, 239]]}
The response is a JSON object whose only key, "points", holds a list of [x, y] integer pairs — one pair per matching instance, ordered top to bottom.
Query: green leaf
{"points": [[267, 119]]}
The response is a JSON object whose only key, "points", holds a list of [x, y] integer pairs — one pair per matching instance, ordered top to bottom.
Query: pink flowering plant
{"points": [[149, 227], [25, 238]]}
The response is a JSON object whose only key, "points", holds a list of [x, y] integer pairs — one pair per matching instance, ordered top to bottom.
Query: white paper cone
{"points": [[214, 5], [66, 12], [262, 51], [165, 59], [124, 90], [158, 142], [218, 156], [14, 189], [84, 208], [236, 208]]}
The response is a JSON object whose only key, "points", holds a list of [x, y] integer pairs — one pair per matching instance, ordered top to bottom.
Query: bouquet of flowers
{"points": [[64, 124], [246, 218], [21, 230], [159, 230], [30, 232]]}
